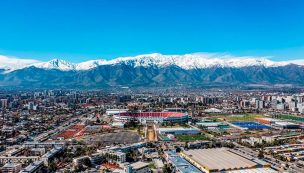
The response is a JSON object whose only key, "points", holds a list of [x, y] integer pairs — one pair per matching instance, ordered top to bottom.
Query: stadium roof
{"points": [[153, 114]]}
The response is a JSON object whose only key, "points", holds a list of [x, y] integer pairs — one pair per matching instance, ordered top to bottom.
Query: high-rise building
{"points": [[4, 103], [245, 103], [259, 104]]}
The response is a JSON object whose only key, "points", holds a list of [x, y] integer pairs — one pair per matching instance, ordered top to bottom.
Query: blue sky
{"points": [[77, 30]]}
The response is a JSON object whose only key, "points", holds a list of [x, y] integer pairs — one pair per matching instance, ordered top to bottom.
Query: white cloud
{"points": [[13, 63]]}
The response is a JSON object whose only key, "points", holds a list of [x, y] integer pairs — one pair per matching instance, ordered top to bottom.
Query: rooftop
{"points": [[219, 159], [181, 164], [10, 165], [139, 165], [31, 167], [257, 170]]}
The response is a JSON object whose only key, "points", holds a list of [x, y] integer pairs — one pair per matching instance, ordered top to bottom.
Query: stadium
{"points": [[156, 117]]}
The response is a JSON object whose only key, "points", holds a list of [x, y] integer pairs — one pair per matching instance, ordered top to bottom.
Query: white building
{"points": [[259, 104], [115, 111], [118, 124], [178, 131], [120, 156], [33, 167], [137, 167], [11, 168]]}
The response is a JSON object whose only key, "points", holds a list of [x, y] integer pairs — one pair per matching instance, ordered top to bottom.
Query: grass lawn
{"points": [[246, 117], [291, 117], [174, 125], [191, 137], [164, 138], [151, 165]]}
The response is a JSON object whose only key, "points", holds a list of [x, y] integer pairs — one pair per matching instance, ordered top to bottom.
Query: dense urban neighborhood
{"points": [[151, 86], [127, 131]]}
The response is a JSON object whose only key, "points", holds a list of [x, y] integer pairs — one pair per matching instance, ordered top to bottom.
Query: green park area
{"points": [[241, 117], [290, 117], [191, 137]]}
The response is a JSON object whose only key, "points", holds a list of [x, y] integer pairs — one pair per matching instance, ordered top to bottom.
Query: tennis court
{"points": [[250, 125]]}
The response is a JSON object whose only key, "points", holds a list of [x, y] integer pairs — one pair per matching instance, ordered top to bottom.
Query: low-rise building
{"points": [[178, 131], [218, 160], [180, 164], [33, 167], [137, 167], [11, 168]]}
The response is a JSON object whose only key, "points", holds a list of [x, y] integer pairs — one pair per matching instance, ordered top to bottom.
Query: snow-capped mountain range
{"points": [[187, 61], [152, 70]]}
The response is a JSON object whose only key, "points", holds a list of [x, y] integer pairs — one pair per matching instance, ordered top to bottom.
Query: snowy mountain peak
{"points": [[187, 61], [190, 61], [56, 64], [91, 64]]}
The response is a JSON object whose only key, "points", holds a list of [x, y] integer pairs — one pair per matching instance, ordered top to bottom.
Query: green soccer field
{"points": [[290, 117], [244, 118]]}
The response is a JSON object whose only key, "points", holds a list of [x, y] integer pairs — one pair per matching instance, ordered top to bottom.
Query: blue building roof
{"points": [[181, 164]]}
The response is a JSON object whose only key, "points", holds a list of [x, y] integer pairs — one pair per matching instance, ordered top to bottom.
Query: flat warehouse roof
{"points": [[219, 159], [139, 165], [257, 170]]}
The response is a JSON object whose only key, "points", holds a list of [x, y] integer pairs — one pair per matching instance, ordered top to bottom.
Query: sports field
{"points": [[242, 117], [290, 117], [250, 125]]}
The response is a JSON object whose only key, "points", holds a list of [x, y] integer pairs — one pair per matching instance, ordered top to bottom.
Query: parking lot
{"points": [[114, 138]]}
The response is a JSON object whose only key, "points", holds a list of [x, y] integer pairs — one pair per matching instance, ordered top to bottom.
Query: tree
{"points": [[186, 145], [178, 149], [261, 154], [87, 162], [52, 166], [167, 168], [66, 171]]}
